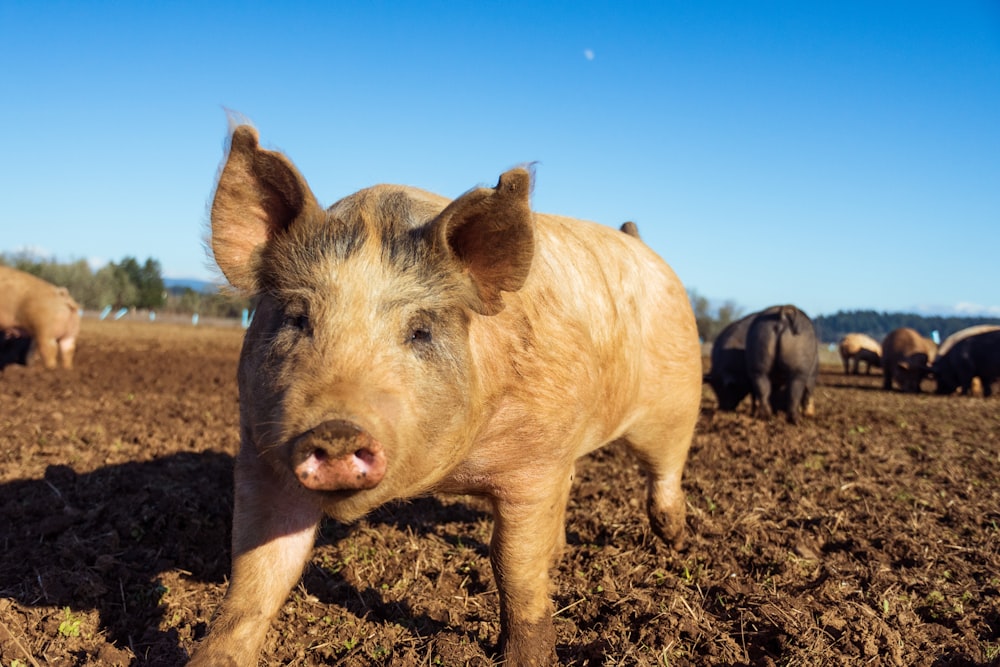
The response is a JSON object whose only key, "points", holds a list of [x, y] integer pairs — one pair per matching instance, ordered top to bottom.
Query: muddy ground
{"points": [[870, 535]]}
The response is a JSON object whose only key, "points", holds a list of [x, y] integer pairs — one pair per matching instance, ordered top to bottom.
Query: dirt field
{"points": [[868, 536]]}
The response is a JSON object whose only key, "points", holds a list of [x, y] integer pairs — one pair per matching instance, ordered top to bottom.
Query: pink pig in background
{"points": [[37, 309]]}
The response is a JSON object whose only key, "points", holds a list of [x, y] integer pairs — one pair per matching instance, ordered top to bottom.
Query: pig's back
{"points": [[609, 279], [15, 288], [601, 324]]}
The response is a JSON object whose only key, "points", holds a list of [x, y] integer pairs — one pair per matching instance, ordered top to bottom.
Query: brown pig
{"points": [[39, 310], [406, 344], [858, 348], [906, 359]]}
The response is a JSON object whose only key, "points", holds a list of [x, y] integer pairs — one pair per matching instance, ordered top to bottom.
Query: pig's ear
{"points": [[259, 194], [490, 232]]}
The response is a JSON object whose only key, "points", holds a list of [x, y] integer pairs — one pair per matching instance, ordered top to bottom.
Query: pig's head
{"points": [[355, 377], [729, 379]]}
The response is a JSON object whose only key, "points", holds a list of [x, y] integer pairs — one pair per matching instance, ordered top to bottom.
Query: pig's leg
{"points": [[48, 349], [66, 349], [762, 392], [797, 396], [809, 403], [662, 449], [274, 527], [529, 528]]}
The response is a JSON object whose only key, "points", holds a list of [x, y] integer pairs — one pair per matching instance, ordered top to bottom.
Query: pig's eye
{"points": [[299, 322], [420, 335]]}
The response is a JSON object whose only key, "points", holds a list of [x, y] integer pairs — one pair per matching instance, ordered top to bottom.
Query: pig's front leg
{"points": [[274, 527], [528, 531]]}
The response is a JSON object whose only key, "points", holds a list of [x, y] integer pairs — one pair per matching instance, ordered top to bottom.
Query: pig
{"points": [[41, 311], [962, 334], [405, 344], [14, 348], [858, 348], [975, 356], [906, 359], [782, 362], [728, 374]]}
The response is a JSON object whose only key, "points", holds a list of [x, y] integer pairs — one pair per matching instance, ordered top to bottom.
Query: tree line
{"points": [[125, 284], [711, 320], [831, 328]]}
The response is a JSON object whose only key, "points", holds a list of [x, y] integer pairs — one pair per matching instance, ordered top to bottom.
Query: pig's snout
{"points": [[336, 456]]}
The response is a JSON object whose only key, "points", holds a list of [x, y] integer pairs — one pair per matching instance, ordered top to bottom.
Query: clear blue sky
{"points": [[835, 155]]}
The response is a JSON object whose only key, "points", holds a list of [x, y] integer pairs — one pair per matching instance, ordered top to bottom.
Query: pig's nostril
{"points": [[337, 456]]}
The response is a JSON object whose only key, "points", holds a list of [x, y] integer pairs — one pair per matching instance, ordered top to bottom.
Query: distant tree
{"points": [[146, 280], [114, 287], [151, 291], [188, 301], [728, 313], [702, 314], [711, 322]]}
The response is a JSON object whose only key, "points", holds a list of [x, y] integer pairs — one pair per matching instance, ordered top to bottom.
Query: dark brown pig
{"points": [[41, 311], [405, 344], [906, 359], [782, 362]]}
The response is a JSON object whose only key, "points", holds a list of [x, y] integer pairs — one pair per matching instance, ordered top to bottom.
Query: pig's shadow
{"points": [[102, 540]]}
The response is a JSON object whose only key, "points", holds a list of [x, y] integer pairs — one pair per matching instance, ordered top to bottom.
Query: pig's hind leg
{"points": [[66, 348], [48, 349], [799, 399], [662, 452], [274, 527]]}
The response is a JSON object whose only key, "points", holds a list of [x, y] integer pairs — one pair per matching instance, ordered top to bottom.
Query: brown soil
{"points": [[870, 535]]}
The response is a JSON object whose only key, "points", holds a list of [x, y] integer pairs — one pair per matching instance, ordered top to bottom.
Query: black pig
{"points": [[975, 356], [782, 362]]}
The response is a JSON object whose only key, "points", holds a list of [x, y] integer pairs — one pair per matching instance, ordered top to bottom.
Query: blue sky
{"points": [[835, 155]]}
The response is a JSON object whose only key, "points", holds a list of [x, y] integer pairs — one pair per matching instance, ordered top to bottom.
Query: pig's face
{"points": [[370, 334], [355, 378]]}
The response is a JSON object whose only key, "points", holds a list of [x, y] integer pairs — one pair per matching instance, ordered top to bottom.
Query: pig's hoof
{"points": [[668, 529]]}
